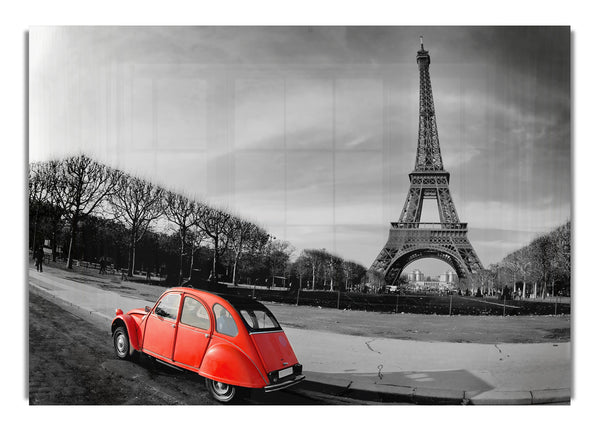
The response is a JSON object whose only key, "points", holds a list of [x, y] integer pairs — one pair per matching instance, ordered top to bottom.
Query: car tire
{"points": [[121, 343], [222, 392]]}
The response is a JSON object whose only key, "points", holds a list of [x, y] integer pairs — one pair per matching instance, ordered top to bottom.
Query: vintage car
{"points": [[234, 342]]}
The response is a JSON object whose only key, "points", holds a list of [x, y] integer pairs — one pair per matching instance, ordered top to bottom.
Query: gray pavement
{"points": [[382, 369]]}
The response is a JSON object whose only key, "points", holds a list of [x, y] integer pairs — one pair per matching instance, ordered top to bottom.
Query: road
{"points": [[71, 362], [499, 369]]}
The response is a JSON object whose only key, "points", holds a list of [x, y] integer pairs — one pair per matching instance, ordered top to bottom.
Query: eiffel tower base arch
{"points": [[409, 242]]}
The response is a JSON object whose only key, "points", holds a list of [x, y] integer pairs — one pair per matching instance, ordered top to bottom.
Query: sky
{"points": [[311, 132]]}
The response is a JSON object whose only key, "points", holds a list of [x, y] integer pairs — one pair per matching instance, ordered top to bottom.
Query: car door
{"points": [[161, 326], [193, 333]]}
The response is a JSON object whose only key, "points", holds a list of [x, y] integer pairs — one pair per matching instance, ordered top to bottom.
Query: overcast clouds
{"points": [[312, 132]]}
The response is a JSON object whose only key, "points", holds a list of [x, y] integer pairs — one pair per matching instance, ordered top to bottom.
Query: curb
{"points": [[384, 393], [434, 396], [532, 397]]}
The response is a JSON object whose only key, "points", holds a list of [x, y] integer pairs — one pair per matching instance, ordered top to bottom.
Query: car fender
{"points": [[131, 326], [226, 363]]}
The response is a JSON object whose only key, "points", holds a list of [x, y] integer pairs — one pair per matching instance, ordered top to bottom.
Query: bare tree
{"points": [[47, 175], [81, 186], [38, 192], [136, 204], [180, 211], [217, 226], [196, 237], [246, 237], [278, 255], [317, 259], [510, 262], [561, 262], [303, 267], [332, 269], [353, 272]]}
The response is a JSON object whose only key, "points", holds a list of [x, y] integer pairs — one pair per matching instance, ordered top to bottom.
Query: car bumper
{"points": [[285, 384]]}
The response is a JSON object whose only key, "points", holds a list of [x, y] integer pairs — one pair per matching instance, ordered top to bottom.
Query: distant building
{"points": [[416, 275], [449, 277], [418, 282]]}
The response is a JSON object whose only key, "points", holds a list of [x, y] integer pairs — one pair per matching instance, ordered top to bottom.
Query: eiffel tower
{"points": [[409, 239]]}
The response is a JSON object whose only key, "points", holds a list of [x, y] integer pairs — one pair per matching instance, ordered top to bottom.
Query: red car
{"points": [[234, 342]]}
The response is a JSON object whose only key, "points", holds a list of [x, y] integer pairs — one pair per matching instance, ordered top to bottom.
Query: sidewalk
{"points": [[381, 369]]}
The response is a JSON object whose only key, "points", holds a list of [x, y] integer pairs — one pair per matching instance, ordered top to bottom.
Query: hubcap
{"points": [[121, 343], [221, 388]]}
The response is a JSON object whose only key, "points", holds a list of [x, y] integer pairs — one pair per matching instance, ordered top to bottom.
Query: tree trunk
{"points": [[75, 220], [35, 223], [54, 245], [192, 251], [216, 260], [235, 264], [131, 265], [180, 279]]}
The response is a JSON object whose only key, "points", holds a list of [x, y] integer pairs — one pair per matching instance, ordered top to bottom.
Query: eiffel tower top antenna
{"points": [[429, 156]]}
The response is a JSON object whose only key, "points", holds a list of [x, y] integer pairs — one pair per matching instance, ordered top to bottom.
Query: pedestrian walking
{"points": [[39, 259]]}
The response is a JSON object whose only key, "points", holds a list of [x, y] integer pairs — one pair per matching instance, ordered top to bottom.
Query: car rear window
{"points": [[256, 317], [259, 319]]}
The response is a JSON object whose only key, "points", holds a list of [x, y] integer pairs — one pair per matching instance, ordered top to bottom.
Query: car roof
{"points": [[236, 300]]}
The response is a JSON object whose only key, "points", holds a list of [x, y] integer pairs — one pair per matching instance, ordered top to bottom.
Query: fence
{"points": [[417, 304]]}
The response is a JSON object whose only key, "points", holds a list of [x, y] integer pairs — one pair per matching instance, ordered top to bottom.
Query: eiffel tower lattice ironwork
{"points": [[409, 239]]}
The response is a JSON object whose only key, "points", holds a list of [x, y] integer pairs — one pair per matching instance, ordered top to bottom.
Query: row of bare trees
{"points": [[70, 190], [77, 198], [543, 267], [319, 269]]}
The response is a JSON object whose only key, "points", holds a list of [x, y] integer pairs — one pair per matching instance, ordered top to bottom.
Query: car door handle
{"points": [[172, 325], [206, 336]]}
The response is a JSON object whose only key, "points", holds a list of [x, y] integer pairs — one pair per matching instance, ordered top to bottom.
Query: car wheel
{"points": [[121, 343], [221, 392]]}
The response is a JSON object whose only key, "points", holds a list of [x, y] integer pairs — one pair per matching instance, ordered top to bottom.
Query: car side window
{"points": [[168, 306], [194, 314], [225, 323]]}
